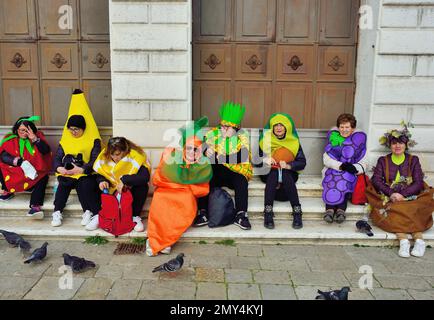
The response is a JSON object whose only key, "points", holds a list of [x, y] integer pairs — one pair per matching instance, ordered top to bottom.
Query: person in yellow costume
{"points": [[79, 147], [229, 151], [283, 154], [122, 165]]}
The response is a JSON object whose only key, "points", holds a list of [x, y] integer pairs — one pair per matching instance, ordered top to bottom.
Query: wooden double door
{"points": [[48, 49], [293, 56]]}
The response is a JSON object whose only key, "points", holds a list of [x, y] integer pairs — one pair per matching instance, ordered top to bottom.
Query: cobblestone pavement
{"points": [[213, 271]]}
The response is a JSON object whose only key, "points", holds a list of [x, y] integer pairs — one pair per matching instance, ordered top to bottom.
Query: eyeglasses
{"points": [[75, 130], [190, 148]]}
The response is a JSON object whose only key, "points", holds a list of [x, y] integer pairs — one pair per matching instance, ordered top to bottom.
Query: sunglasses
{"points": [[190, 148]]}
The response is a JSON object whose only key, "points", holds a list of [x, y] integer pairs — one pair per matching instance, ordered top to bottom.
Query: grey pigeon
{"points": [[363, 226], [11, 237], [24, 246], [38, 254], [77, 264], [172, 265], [334, 295]]}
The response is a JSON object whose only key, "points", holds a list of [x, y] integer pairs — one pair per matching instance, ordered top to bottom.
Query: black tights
{"points": [[224, 177], [287, 190], [343, 206]]}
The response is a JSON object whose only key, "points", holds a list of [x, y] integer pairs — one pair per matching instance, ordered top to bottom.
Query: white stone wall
{"points": [[151, 69], [403, 86]]}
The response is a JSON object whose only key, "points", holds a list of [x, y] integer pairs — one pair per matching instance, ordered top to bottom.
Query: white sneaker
{"points": [[87, 216], [57, 219], [93, 224], [139, 224], [404, 248], [419, 248], [167, 250], [149, 252]]}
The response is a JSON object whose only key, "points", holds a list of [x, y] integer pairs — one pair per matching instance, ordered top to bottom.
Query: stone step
{"points": [[308, 186], [313, 208], [312, 233]]}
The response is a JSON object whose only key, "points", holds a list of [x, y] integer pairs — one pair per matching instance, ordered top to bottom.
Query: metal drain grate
{"points": [[129, 248]]}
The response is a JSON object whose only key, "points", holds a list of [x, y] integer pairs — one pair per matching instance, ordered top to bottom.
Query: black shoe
{"points": [[6, 196], [297, 214], [340, 216], [268, 217], [201, 219], [242, 221]]}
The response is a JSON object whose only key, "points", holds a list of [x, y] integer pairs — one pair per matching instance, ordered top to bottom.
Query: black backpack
{"points": [[221, 209]]}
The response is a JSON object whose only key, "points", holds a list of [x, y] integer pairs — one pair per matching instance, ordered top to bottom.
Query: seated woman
{"points": [[227, 146], [79, 147], [285, 155], [25, 161], [343, 161], [123, 165], [182, 176], [409, 204]]}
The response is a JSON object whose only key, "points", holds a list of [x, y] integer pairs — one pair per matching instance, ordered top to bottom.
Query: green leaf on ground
{"points": [[96, 240], [138, 241], [202, 242], [226, 242]]}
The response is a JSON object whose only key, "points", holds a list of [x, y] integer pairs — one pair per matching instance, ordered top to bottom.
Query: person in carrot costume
{"points": [[25, 162], [181, 178]]}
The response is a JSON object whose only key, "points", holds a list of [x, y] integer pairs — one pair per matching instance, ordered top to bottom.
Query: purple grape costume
{"points": [[336, 183]]}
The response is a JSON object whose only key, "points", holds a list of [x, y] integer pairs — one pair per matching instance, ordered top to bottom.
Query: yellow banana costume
{"points": [[85, 143], [129, 165]]}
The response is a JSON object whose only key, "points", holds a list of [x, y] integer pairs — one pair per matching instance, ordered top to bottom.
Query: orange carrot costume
{"points": [[178, 185]]}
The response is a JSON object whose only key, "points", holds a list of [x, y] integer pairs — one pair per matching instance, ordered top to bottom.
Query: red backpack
{"points": [[114, 217]]}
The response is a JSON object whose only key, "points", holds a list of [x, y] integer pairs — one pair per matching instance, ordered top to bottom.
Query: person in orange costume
{"points": [[182, 176]]}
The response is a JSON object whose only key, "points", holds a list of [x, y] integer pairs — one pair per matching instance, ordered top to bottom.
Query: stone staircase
{"points": [[13, 217]]}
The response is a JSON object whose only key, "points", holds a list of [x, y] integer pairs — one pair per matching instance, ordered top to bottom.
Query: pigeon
{"points": [[363, 226], [11, 237], [24, 245], [38, 254], [77, 264], [172, 265], [334, 295]]}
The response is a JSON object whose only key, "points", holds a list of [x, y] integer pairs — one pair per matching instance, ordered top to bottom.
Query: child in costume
{"points": [[281, 145], [79, 147], [229, 151], [343, 161], [25, 162], [123, 165], [182, 176], [401, 202]]}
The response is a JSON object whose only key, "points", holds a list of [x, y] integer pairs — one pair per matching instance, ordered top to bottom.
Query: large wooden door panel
{"points": [[94, 15], [49, 19], [18, 20], [212, 20], [255, 20], [297, 21], [338, 22], [19, 60], [96, 60], [59, 61], [213, 62], [254, 62], [296, 63], [336, 63], [99, 94], [21, 98], [208, 98], [258, 99], [56, 100], [296, 100], [332, 100]]}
